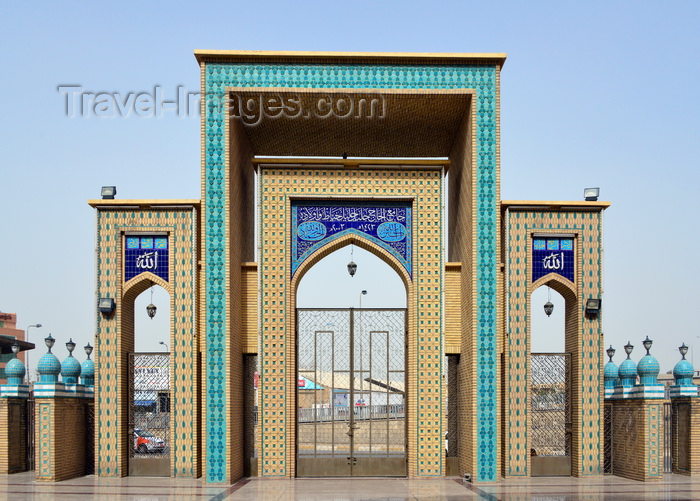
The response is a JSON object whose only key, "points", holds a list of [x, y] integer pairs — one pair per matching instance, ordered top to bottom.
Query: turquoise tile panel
{"points": [[218, 76]]}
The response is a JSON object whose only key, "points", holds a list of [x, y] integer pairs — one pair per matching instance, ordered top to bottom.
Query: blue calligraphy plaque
{"points": [[315, 224], [146, 253], [552, 255]]}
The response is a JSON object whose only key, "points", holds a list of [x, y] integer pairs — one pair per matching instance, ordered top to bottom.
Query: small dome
{"points": [[49, 367], [88, 369], [627, 369], [70, 370], [648, 370], [15, 371], [627, 373], [683, 373], [610, 375]]}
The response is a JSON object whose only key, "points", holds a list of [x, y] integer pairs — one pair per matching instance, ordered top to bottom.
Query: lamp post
{"points": [[363, 293], [166, 346], [29, 373], [362, 384]]}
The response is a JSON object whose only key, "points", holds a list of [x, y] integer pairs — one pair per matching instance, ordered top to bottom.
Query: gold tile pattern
{"points": [[278, 184], [583, 336], [114, 338]]}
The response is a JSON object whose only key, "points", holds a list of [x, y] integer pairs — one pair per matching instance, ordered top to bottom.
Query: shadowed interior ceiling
{"points": [[361, 123]]}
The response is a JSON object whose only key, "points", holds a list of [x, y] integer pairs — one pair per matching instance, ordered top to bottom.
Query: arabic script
{"points": [[147, 261], [555, 261]]}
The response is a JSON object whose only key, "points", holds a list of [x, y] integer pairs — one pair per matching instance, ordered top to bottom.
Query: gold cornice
{"points": [[497, 59], [144, 204], [552, 205]]}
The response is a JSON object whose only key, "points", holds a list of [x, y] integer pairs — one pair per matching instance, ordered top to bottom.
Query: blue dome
{"points": [[49, 367], [88, 369], [70, 370], [648, 370], [15, 371], [627, 373], [683, 373], [88, 374], [610, 375]]}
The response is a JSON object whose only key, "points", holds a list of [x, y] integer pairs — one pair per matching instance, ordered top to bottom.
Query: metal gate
{"points": [[351, 392], [149, 414], [550, 414], [29, 423], [607, 439]]}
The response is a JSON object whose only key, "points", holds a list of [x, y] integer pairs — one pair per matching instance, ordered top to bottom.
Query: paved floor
{"points": [[22, 486]]}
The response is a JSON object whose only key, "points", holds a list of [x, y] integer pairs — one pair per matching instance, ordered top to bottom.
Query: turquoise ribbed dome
{"points": [[49, 367], [88, 369], [70, 370], [648, 370], [15, 371], [88, 372], [627, 373], [683, 373], [610, 375]]}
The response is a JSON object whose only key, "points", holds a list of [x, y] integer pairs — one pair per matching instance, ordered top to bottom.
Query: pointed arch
{"points": [[344, 241], [560, 284], [134, 287]]}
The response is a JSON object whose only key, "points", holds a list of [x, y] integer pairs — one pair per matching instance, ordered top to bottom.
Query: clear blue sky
{"points": [[593, 94]]}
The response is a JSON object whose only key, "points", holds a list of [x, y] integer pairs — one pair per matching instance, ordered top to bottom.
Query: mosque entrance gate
{"points": [[550, 406], [351, 417], [148, 438]]}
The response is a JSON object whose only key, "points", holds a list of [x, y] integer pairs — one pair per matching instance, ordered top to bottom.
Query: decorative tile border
{"points": [[482, 78]]}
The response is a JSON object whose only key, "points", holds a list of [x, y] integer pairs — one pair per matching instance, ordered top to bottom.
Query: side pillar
{"points": [[637, 420], [61, 424], [13, 428], [685, 431], [637, 451]]}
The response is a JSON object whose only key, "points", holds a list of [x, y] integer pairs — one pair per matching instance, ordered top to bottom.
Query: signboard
{"points": [[388, 224], [146, 253], [552, 255]]}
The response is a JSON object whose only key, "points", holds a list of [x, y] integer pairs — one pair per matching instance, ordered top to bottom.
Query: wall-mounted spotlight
{"points": [[108, 192], [591, 194], [106, 305], [593, 306]]}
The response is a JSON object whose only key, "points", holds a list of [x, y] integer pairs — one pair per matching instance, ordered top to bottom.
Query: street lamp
{"points": [[363, 293], [166, 346], [29, 374]]}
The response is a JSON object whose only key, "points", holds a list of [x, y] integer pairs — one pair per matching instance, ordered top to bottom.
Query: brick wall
{"points": [[13, 435], [60, 438], [637, 450], [690, 464]]}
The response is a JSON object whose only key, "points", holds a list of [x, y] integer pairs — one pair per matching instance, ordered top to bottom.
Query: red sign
{"points": [[301, 382]]}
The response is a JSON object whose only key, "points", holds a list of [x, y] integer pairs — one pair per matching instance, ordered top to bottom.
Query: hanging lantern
{"points": [[352, 267], [151, 308], [548, 308]]}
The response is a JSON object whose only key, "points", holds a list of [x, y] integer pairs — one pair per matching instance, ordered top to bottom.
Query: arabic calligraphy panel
{"points": [[387, 224], [146, 253], [553, 255]]}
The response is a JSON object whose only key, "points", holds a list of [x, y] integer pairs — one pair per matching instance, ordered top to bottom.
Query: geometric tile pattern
{"points": [[483, 78], [582, 333], [114, 337], [277, 345], [44, 432]]}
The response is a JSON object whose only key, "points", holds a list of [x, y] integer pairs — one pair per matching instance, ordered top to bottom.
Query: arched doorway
{"points": [[351, 367], [550, 381], [149, 403]]}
